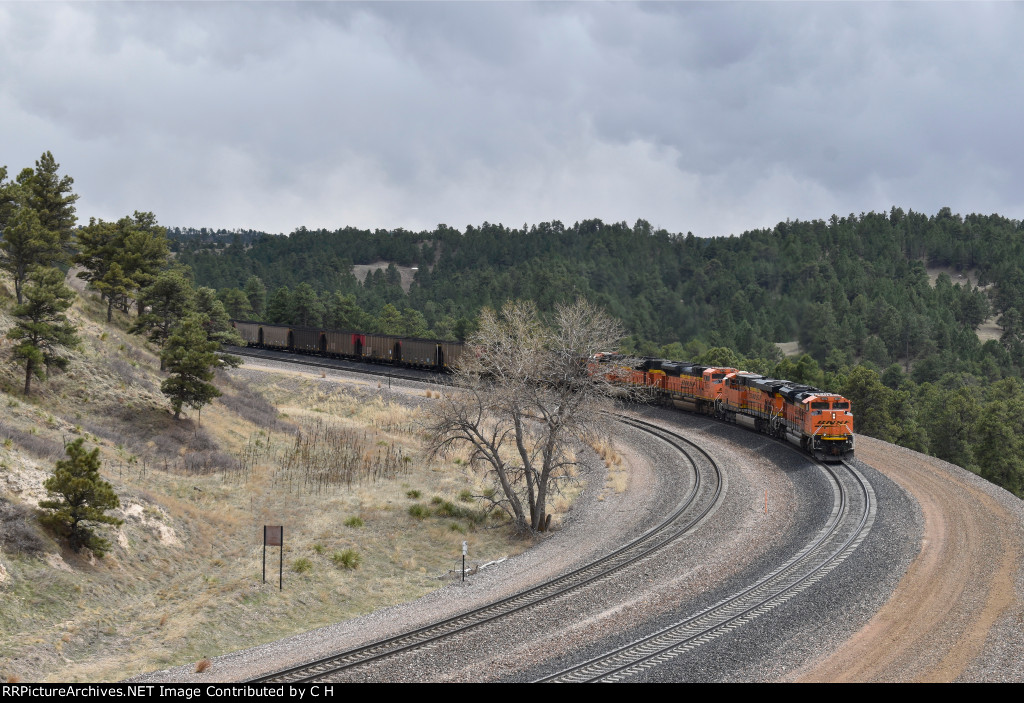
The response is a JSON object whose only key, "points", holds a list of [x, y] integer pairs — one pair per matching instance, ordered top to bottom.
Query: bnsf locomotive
{"points": [[820, 423]]}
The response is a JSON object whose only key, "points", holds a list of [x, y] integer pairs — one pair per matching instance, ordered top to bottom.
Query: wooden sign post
{"points": [[273, 536]]}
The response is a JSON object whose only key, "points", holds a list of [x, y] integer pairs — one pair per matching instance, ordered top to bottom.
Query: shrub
{"points": [[413, 494], [79, 496], [466, 496], [437, 500], [449, 509], [419, 511], [354, 521], [18, 531], [318, 548], [347, 559], [302, 566]]}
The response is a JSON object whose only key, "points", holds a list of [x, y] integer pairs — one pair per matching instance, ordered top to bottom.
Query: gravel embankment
{"points": [[957, 614]]}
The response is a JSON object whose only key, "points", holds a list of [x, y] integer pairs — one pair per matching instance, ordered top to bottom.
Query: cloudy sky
{"points": [[710, 118]]}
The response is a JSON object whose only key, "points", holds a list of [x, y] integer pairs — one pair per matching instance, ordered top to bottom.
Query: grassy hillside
{"points": [[183, 578]]}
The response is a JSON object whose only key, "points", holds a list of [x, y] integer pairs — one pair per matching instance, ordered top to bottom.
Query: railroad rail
{"points": [[340, 365], [703, 497], [849, 523]]}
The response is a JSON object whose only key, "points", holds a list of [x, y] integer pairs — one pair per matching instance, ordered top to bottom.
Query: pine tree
{"points": [[50, 195], [25, 243], [136, 244], [115, 287], [257, 294], [167, 300], [218, 327], [41, 328], [191, 357], [78, 497]]}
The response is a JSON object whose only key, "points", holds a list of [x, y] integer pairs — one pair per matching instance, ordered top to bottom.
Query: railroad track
{"points": [[340, 365], [701, 500], [852, 516], [848, 524]]}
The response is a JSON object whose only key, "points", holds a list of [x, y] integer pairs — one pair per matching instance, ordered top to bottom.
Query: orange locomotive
{"points": [[820, 423]]}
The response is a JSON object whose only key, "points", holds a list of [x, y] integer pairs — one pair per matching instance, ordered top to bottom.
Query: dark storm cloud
{"points": [[705, 117]]}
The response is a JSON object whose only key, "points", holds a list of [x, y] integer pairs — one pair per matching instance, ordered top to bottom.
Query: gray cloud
{"points": [[706, 117]]}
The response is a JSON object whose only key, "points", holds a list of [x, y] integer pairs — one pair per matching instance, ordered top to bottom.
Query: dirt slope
{"points": [[954, 615]]}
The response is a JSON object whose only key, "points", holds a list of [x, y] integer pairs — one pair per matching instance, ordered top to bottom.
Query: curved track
{"points": [[700, 501], [853, 513], [847, 526]]}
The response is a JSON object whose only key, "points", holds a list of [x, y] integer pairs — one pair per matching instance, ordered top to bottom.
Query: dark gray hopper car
{"points": [[378, 348]]}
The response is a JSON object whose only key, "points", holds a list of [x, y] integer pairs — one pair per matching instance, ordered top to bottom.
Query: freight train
{"points": [[358, 346], [820, 423]]}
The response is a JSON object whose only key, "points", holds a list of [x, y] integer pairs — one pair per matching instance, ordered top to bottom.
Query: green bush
{"points": [[413, 494], [466, 496], [449, 509], [419, 511], [354, 521], [347, 559], [302, 566]]}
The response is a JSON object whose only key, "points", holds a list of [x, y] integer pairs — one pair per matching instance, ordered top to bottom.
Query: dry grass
{"points": [[617, 477], [183, 579], [203, 665]]}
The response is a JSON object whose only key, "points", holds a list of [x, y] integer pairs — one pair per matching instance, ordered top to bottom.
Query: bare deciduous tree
{"points": [[526, 399]]}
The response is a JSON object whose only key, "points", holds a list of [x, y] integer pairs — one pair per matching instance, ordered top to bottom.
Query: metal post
{"points": [[264, 554], [280, 566]]}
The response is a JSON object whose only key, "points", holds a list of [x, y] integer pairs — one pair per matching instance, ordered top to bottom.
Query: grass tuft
{"points": [[419, 511], [354, 521], [347, 559], [302, 565]]}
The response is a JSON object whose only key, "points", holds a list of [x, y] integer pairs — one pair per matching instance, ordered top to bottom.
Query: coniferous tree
{"points": [[51, 196], [8, 199], [25, 243], [98, 244], [136, 244], [144, 250], [115, 287], [257, 294], [167, 300], [236, 302], [279, 306], [307, 310], [344, 313], [390, 320], [218, 326], [42, 330], [191, 357], [79, 498]]}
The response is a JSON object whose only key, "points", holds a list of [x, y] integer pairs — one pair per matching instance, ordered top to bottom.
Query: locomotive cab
{"points": [[828, 426]]}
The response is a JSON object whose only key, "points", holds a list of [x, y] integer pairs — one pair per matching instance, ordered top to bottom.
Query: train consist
{"points": [[375, 348], [820, 423]]}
